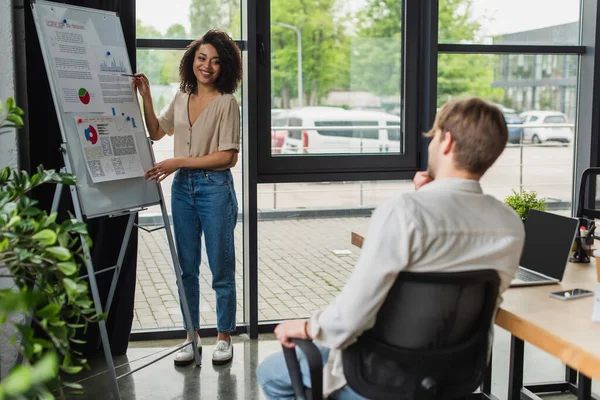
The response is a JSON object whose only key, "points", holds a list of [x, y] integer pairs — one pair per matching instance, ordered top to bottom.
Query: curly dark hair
{"points": [[229, 60]]}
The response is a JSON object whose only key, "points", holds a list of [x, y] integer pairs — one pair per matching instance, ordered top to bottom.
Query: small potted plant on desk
{"points": [[524, 201]]}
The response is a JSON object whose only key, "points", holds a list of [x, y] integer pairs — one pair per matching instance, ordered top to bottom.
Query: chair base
{"points": [[531, 391], [481, 396]]}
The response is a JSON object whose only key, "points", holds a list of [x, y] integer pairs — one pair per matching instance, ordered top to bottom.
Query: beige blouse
{"points": [[216, 129]]}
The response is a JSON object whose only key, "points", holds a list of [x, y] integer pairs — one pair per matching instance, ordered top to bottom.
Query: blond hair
{"points": [[478, 129]]}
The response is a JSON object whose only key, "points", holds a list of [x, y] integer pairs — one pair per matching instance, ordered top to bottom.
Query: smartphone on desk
{"points": [[571, 294]]}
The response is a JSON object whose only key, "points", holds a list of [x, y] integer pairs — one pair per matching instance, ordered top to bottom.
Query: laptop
{"points": [[548, 242]]}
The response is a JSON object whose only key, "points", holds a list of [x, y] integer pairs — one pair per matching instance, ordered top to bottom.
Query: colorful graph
{"points": [[113, 67], [84, 96], [126, 117], [91, 135]]}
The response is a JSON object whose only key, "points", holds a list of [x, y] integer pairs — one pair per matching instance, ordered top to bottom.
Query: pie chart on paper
{"points": [[84, 96], [91, 135]]}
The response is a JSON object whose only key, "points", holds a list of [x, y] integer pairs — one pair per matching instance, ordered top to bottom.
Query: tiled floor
{"points": [[237, 381]]}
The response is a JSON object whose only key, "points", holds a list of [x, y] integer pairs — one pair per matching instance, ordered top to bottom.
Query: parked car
{"points": [[534, 131], [515, 133], [343, 137]]}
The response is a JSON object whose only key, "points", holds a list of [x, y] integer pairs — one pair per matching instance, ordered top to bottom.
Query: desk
{"points": [[562, 328]]}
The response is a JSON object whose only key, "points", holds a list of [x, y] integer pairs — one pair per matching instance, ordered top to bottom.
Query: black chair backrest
{"points": [[430, 339]]}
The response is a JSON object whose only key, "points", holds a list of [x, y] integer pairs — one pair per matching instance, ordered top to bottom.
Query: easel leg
{"points": [[124, 245], [94, 287], [186, 309], [110, 365]]}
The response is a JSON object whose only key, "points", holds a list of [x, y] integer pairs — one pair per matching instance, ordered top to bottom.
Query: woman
{"points": [[204, 117]]}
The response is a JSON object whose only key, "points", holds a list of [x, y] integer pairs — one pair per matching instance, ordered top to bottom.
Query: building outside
{"points": [[540, 81]]}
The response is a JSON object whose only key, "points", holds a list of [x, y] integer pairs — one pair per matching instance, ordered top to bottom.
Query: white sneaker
{"points": [[223, 353], [185, 356]]}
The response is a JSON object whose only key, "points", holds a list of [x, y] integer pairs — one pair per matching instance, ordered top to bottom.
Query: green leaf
{"points": [[10, 103], [18, 110], [17, 120], [10, 207], [31, 212], [50, 220], [13, 221], [79, 227], [46, 237], [4, 244], [59, 252], [68, 268], [71, 286], [84, 303], [51, 310], [78, 341], [45, 369], [71, 369], [18, 381], [72, 385], [44, 394]]}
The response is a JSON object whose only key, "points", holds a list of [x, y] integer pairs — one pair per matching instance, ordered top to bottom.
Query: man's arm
{"points": [[387, 251]]}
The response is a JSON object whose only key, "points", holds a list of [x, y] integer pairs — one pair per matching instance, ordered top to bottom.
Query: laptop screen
{"points": [[548, 241]]}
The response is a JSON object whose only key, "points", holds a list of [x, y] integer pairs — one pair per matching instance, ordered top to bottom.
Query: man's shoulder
{"points": [[402, 206]]}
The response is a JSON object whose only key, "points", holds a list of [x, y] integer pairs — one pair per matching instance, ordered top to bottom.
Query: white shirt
{"points": [[447, 225]]}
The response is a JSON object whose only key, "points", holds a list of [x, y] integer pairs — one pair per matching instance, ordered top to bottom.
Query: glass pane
{"points": [[186, 19], [545, 22], [338, 69], [537, 94], [305, 253], [156, 297]]}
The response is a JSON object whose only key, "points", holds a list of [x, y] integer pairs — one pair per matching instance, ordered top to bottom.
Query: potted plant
{"points": [[524, 201], [42, 258]]}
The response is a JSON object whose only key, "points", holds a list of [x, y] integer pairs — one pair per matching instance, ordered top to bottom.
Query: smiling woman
{"points": [[204, 119]]}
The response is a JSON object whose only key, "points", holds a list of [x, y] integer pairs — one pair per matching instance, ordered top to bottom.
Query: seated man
{"points": [[447, 225]]}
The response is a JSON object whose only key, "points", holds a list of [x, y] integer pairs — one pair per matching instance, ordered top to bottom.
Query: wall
{"points": [[8, 140], [8, 153]]}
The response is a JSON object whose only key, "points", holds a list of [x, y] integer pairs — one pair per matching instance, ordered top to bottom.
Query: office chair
{"points": [[586, 215], [431, 340]]}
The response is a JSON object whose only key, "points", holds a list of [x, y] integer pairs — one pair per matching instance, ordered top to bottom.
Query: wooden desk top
{"points": [[561, 328]]}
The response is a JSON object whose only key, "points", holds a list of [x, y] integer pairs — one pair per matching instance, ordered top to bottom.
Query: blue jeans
{"points": [[204, 201], [274, 378]]}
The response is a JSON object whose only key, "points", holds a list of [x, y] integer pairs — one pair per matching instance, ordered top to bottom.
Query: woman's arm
{"points": [[140, 81], [218, 160]]}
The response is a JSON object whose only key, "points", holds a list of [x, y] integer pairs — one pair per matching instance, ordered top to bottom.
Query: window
{"points": [[186, 19], [516, 22], [159, 31], [338, 68], [393, 134], [523, 165], [305, 253]]}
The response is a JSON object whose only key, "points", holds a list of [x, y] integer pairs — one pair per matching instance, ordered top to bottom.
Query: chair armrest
{"points": [[315, 368]]}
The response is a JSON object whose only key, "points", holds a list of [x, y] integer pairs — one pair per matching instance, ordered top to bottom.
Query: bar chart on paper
{"points": [[114, 66], [122, 121]]}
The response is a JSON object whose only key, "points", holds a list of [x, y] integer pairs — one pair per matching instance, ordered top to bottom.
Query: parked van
{"points": [[336, 130], [535, 132]]}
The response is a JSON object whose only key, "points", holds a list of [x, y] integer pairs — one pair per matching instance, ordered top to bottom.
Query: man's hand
{"points": [[163, 169], [421, 179], [292, 329]]}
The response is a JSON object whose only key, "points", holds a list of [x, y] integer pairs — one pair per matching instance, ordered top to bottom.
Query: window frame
{"points": [[274, 168]]}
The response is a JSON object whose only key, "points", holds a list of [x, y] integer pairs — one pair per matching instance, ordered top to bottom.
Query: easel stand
{"points": [[91, 275]]}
